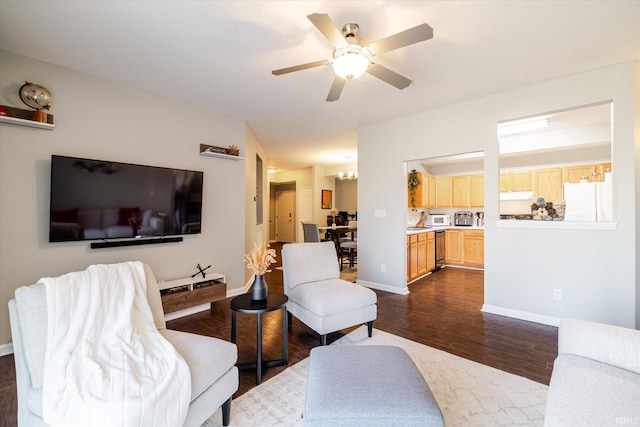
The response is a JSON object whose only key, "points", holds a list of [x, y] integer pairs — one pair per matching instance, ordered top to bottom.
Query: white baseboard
{"points": [[381, 287], [522, 315], [6, 349]]}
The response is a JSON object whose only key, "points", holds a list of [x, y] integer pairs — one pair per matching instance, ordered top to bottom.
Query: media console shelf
{"points": [[181, 297]]}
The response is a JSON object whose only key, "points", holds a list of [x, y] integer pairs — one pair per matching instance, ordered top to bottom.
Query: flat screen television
{"points": [[100, 200]]}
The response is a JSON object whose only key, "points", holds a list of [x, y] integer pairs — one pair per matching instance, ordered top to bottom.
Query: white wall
{"points": [[96, 118], [255, 232], [596, 269]]}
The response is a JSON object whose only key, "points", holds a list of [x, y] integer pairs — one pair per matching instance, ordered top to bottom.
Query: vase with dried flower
{"points": [[334, 212], [259, 260]]}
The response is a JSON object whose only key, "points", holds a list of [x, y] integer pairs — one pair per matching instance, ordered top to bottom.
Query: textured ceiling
{"points": [[219, 55]]}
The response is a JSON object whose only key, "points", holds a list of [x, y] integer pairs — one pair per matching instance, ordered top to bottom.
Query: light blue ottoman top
{"points": [[363, 385]]}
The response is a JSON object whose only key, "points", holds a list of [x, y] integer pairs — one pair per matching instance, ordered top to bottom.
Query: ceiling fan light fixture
{"points": [[349, 62]]}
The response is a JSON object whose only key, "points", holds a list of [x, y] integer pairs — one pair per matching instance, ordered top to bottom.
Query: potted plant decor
{"points": [[414, 181]]}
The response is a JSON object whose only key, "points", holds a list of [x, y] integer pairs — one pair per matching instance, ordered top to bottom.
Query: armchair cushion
{"points": [[309, 262], [320, 297]]}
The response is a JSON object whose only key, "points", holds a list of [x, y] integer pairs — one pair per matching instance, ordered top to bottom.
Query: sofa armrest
{"points": [[608, 344]]}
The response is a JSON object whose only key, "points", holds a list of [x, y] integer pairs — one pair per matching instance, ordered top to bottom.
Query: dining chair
{"points": [[310, 231]]}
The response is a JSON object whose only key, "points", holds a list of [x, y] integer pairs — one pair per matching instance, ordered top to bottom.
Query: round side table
{"points": [[244, 304]]}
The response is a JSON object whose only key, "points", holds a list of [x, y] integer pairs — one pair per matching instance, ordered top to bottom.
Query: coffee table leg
{"points": [[285, 349], [259, 350]]}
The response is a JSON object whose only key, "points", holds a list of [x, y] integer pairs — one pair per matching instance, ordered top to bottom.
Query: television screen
{"points": [[97, 199]]}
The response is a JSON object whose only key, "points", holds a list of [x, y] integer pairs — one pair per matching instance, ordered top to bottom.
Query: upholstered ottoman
{"points": [[364, 385]]}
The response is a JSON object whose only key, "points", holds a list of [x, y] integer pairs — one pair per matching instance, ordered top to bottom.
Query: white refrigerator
{"points": [[589, 201]]}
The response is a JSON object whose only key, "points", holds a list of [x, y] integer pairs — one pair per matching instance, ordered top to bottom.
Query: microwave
{"points": [[438, 219]]}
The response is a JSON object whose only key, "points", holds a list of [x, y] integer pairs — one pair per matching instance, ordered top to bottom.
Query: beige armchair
{"points": [[317, 295]]}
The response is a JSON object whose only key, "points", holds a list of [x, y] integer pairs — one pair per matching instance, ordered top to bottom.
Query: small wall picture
{"points": [[326, 199]]}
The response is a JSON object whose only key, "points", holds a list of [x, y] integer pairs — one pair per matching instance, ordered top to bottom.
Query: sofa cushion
{"points": [[109, 217], [90, 218], [320, 297], [31, 306], [208, 358], [584, 392]]}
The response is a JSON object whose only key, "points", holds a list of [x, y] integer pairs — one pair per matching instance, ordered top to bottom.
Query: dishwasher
{"points": [[440, 249]]}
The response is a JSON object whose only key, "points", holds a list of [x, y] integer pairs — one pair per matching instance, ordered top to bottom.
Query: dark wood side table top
{"points": [[244, 304]]}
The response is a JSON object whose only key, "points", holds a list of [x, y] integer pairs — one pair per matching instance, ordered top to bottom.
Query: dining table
{"points": [[338, 231]]}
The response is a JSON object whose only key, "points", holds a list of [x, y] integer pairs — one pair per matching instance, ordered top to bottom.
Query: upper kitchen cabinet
{"points": [[515, 181], [547, 183], [443, 190], [460, 191], [476, 191]]}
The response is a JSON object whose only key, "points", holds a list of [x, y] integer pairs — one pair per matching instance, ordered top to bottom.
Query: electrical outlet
{"points": [[383, 268], [557, 294]]}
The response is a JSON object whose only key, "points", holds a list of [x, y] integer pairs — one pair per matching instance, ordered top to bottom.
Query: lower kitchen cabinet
{"points": [[473, 244], [453, 246], [464, 247], [431, 251], [421, 254], [412, 257]]}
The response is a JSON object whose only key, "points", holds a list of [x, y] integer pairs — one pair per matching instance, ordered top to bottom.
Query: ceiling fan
{"points": [[352, 56]]}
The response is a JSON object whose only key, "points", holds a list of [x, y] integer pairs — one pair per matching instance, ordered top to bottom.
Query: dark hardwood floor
{"points": [[441, 311]]}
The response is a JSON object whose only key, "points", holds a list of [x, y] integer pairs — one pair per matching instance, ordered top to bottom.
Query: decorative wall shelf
{"points": [[20, 117], [206, 150]]}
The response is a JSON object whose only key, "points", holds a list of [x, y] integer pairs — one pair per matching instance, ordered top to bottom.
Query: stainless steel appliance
{"points": [[464, 218], [438, 219], [440, 249]]}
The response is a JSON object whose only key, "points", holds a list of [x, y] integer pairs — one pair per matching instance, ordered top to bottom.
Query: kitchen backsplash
{"points": [[413, 215]]}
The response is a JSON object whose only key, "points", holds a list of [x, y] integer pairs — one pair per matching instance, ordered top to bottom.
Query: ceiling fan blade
{"points": [[326, 26], [404, 38], [300, 67], [388, 76], [336, 89]]}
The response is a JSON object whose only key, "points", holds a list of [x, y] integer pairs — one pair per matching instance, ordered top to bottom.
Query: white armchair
{"points": [[317, 295], [211, 361]]}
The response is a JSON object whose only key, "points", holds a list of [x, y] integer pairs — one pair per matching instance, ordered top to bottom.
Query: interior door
{"points": [[284, 216]]}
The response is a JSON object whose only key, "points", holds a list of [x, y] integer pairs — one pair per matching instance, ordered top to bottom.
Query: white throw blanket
{"points": [[106, 364]]}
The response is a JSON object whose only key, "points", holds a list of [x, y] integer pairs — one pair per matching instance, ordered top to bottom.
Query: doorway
{"points": [[284, 216]]}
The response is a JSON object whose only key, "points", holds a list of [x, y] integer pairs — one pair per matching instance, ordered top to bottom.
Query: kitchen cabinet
{"points": [[594, 173], [573, 174], [515, 181], [547, 183], [443, 190], [460, 191], [476, 191], [429, 192], [453, 246], [464, 247], [473, 248], [431, 251], [422, 254], [412, 257]]}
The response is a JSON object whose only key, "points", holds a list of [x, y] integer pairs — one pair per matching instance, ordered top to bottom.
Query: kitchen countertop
{"points": [[411, 230]]}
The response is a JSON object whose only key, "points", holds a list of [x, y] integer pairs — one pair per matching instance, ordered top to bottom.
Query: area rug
{"points": [[469, 394]]}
